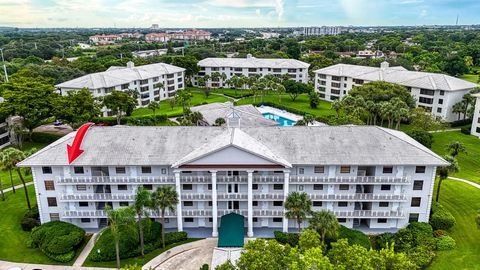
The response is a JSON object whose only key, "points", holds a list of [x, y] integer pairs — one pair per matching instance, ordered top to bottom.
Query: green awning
{"points": [[232, 231]]}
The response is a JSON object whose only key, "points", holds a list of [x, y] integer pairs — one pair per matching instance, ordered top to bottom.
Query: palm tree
{"points": [[223, 78], [183, 97], [154, 106], [337, 106], [458, 109], [456, 148], [12, 156], [7, 166], [444, 171], [165, 198], [142, 200], [298, 206], [118, 219], [325, 222]]}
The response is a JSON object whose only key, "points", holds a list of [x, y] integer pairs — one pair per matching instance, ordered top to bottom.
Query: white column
{"points": [[286, 184], [250, 204], [179, 205], [214, 205]]}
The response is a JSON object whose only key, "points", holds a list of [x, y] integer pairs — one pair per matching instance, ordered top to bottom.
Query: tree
{"points": [[189, 63], [295, 89], [183, 97], [314, 99], [120, 103], [154, 106], [337, 106], [77, 107], [458, 109], [400, 111], [308, 119], [423, 120], [219, 121], [422, 136], [455, 148], [9, 158], [444, 171], [164, 198], [142, 200], [298, 206], [118, 219], [325, 223], [309, 239], [261, 254], [352, 257]]}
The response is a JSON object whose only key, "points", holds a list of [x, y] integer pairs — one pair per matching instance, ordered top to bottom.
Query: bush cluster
{"points": [[143, 120], [40, 137], [441, 218], [30, 220], [354, 237], [287, 238], [57, 240], [417, 242], [129, 243], [446, 243]]}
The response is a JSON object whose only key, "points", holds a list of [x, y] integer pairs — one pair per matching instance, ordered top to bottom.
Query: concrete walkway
{"points": [[444, 130], [465, 181], [18, 187], [86, 250], [190, 256], [27, 266]]}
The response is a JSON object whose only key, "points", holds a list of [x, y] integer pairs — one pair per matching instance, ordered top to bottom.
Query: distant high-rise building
{"points": [[154, 26], [322, 31]]}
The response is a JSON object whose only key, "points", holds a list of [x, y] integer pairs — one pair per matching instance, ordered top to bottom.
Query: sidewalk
{"points": [[465, 181], [18, 187], [86, 250], [27, 266]]}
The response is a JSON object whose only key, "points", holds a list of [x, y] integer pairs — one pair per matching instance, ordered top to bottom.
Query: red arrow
{"points": [[74, 150]]}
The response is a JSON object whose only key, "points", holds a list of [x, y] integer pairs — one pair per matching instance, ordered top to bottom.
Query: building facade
{"points": [[322, 31], [192, 35], [105, 39], [251, 66], [153, 82], [436, 93], [476, 116], [372, 178]]}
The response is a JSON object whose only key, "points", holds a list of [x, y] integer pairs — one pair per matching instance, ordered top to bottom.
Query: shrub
{"points": [[466, 130], [422, 136], [41, 137], [441, 218], [29, 223], [439, 233], [416, 234], [174, 237], [354, 237], [287, 238], [57, 239], [309, 239], [384, 239], [445, 243], [421, 255], [66, 257], [131, 267], [204, 267]]}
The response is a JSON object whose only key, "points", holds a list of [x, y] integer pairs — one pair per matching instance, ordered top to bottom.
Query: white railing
{"points": [[195, 179], [232, 179], [268, 179], [115, 180], [350, 180], [196, 196], [232, 196], [268, 196], [97, 197], [358, 197], [85, 213], [197, 213], [268, 213], [369, 214]]}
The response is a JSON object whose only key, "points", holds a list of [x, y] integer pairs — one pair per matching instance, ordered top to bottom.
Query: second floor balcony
{"points": [[123, 180]]}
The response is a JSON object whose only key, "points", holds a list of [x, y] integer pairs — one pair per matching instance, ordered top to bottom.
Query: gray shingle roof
{"points": [[253, 62], [120, 75], [399, 75], [348, 145]]}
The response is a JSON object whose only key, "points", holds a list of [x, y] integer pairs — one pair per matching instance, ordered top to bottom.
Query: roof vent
{"points": [[249, 55], [130, 64], [384, 65]]}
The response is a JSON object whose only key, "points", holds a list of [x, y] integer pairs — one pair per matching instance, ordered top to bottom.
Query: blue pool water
{"points": [[282, 121]]}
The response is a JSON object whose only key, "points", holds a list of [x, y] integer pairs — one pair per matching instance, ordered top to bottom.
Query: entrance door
{"points": [[233, 205]]}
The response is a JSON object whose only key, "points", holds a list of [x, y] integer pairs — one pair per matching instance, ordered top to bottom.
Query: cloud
{"points": [[423, 13]]}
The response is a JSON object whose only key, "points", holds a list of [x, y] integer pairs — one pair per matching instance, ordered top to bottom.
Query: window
{"points": [[335, 78], [357, 81], [336, 85], [125, 86], [427, 92], [442, 92], [425, 100], [440, 101], [439, 110], [146, 169], [319, 169], [344, 169], [387, 169], [420, 169], [47, 170], [78, 170], [120, 170], [301, 170], [164, 171], [49, 185], [418, 185], [187, 186], [209, 186], [255, 186], [278, 186], [81, 187], [122, 187], [148, 187], [317, 187], [344, 187], [386, 187], [300, 188], [52, 201], [416, 201], [187, 203], [210, 203], [255, 203], [277, 203], [317, 203], [83, 204], [123, 204], [342, 204], [383, 204], [54, 216], [413, 217], [188, 219], [255, 219], [277, 219], [85, 220], [210, 220], [342, 220], [382, 220]]}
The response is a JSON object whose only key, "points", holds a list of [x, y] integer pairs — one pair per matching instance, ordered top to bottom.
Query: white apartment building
{"points": [[322, 31], [105, 39], [251, 66], [144, 79], [435, 92], [476, 116], [4, 135], [374, 179]]}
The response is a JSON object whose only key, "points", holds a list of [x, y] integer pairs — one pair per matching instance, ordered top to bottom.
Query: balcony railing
{"points": [[195, 179], [232, 179], [268, 179], [99, 180], [350, 180], [196, 196], [232, 196], [268, 196], [97, 197], [358, 197], [369, 214]]}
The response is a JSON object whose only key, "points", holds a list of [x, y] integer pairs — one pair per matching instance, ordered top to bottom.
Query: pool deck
{"points": [[288, 115]]}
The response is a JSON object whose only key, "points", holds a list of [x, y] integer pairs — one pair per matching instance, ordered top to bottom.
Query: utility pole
{"points": [[4, 66]]}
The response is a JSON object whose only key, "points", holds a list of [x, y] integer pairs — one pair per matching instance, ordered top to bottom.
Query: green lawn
{"points": [[471, 77], [469, 163], [463, 201], [137, 260]]}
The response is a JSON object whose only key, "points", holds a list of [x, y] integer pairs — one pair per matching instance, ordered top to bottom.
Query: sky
{"points": [[234, 13]]}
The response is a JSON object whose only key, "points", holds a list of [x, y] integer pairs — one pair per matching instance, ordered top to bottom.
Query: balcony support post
{"points": [[286, 184], [250, 203], [214, 204], [179, 205]]}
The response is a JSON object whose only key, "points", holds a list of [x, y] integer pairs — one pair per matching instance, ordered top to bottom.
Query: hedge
{"points": [[142, 120], [466, 130], [41, 137], [441, 218], [30, 220], [354, 237], [287, 238], [57, 239], [446, 243]]}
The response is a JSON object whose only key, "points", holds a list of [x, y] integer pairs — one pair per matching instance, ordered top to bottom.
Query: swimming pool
{"points": [[282, 121]]}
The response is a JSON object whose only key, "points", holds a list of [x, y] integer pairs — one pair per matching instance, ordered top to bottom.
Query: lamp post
{"points": [[4, 66]]}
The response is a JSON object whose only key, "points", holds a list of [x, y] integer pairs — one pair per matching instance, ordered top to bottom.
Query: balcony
{"points": [[195, 179], [232, 179], [268, 179], [101, 180], [350, 180], [196, 196], [232, 196], [268, 196], [109, 197], [358, 197], [197, 213], [103, 214], [369, 214]]}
